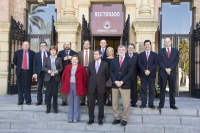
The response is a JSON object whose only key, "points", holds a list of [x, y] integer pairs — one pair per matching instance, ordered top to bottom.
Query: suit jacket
{"points": [[62, 54], [105, 55], [81, 56], [18, 58], [134, 60], [165, 62], [37, 63], [151, 64], [47, 67], [121, 74], [98, 80]]}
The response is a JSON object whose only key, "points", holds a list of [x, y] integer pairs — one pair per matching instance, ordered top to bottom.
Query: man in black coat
{"points": [[66, 56], [133, 56], [168, 59], [23, 60], [147, 62], [121, 70], [38, 72], [98, 76]]}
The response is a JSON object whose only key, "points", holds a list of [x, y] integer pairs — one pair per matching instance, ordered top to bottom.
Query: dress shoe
{"points": [[19, 103], [28, 103], [38, 103], [63, 104], [82, 104], [109, 104], [133, 105], [142, 106], [152, 106], [159, 107], [173, 107], [48, 111], [55, 111], [90, 122], [100, 122], [116, 122], [124, 123]]}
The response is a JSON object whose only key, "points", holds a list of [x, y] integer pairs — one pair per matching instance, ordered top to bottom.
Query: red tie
{"points": [[168, 52], [44, 56], [147, 56], [86, 59], [24, 61], [120, 62]]}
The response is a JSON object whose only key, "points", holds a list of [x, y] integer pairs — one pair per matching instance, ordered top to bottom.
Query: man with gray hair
{"points": [[121, 69]]}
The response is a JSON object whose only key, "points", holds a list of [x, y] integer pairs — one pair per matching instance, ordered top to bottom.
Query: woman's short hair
{"points": [[53, 47], [109, 48], [75, 56]]}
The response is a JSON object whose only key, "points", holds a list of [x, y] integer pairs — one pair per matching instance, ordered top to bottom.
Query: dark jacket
{"points": [[62, 54], [18, 58], [134, 60], [165, 62], [37, 63], [151, 64], [47, 67], [122, 73], [81, 80], [98, 80]]}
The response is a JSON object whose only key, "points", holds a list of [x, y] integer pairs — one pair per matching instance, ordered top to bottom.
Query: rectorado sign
{"points": [[107, 19]]}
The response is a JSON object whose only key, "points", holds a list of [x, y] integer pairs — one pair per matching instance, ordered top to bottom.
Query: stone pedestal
{"points": [[4, 54]]}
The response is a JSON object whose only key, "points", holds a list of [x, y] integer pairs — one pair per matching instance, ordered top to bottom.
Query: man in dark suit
{"points": [[103, 45], [66, 56], [85, 57], [134, 58], [168, 59], [23, 60], [147, 63], [121, 70], [38, 72], [98, 76]]}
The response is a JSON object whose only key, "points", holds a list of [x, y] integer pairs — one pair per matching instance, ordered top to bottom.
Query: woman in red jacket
{"points": [[74, 81]]}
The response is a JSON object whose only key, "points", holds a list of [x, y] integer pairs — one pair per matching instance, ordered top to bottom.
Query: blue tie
{"points": [[67, 53], [103, 53]]}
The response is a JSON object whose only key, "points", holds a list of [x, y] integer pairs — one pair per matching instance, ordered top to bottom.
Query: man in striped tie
{"points": [[23, 60]]}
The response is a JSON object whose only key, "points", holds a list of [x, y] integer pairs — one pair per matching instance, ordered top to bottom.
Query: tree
{"points": [[34, 19], [184, 55]]}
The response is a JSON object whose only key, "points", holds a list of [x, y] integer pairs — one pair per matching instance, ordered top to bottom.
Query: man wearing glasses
{"points": [[38, 72]]}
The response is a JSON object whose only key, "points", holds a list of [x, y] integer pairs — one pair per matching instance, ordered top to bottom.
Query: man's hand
{"points": [[69, 57], [66, 58], [168, 70], [49, 71], [56, 72], [147, 72], [35, 76], [117, 83], [121, 83]]}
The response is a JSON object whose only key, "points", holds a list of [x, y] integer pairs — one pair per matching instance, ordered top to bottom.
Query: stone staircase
{"points": [[33, 119]]}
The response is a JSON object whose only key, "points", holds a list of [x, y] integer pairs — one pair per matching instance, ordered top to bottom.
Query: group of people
{"points": [[96, 77]]}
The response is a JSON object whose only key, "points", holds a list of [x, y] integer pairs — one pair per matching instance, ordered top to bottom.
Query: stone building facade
{"points": [[144, 23]]}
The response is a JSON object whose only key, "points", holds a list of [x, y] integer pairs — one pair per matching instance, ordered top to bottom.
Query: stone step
{"points": [[164, 111], [108, 117], [7, 126]]}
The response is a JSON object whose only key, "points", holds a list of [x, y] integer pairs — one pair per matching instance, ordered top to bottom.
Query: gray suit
{"points": [[47, 66], [52, 82]]}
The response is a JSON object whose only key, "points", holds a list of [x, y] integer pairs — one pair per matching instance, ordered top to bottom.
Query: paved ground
{"points": [[181, 102]]}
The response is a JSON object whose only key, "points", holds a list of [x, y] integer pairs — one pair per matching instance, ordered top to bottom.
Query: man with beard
{"points": [[66, 56]]}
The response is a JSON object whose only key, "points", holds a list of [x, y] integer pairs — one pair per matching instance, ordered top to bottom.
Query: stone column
{"points": [[145, 25], [67, 26], [4, 54]]}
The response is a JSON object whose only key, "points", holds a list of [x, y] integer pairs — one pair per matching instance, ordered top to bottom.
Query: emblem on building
{"points": [[107, 24]]}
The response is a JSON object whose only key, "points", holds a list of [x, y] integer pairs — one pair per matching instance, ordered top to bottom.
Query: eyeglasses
{"points": [[43, 46]]}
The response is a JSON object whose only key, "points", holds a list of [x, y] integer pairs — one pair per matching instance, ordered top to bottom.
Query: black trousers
{"points": [[24, 81], [40, 84], [150, 84], [172, 85], [52, 91], [134, 93], [100, 100]]}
